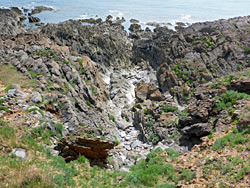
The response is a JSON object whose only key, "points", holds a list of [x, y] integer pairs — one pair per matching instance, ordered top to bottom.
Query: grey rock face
{"points": [[10, 21], [17, 93]]}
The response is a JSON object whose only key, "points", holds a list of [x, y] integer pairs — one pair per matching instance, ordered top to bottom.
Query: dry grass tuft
{"points": [[9, 76]]}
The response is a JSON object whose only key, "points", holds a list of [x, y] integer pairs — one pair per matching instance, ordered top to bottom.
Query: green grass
{"points": [[34, 74], [229, 98], [4, 108], [167, 108], [184, 113], [3, 123], [232, 139], [171, 153], [148, 172]]}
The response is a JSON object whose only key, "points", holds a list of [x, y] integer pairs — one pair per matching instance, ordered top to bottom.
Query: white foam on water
{"points": [[3, 7], [83, 16], [186, 17]]}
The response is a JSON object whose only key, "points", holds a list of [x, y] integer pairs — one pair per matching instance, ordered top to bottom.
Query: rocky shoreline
{"points": [[142, 90]]}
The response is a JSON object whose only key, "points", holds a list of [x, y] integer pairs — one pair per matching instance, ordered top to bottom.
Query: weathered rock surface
{"points": [[39, 9], [33, 19], [11, 21], [106, 43], [149, 91], [36, 97], [199, 130], [70, 148]]}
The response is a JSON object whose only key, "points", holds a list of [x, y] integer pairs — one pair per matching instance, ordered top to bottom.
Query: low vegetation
{"points": [[16, 77], [229, 98]]}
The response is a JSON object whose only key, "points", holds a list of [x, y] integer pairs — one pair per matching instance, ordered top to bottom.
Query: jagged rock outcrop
{"points": [[39, 9], [33, 19], [11, 21], [106, 43], [149, 91], [79, 93], [70, 148]]}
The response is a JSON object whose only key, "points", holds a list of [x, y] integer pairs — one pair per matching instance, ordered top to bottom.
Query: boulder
{"points": [[240, 85], [148, 91], [141, 93], [36, 97], [198, 112], [199, 129], [70, 148]]}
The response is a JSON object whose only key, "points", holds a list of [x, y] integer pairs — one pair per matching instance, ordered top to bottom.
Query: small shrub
{"points": [[247, 50], [229, 98], [2, 101], [89, 103], [4, 108], [167, 108], [35, 109], [184, 113], [112, 118], [2, 123], [149, 123], [100, 127], [59, 128], [153, 137], [232, 139], [116, 142], [187, 175]]}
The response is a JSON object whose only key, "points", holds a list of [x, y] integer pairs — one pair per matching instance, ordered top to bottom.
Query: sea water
{"points": [[161, 11]]}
